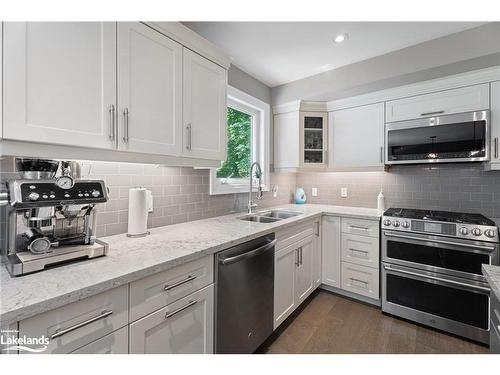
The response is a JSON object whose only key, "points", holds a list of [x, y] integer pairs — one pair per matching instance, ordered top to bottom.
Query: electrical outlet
{"points": [[275, 191], [314, 192], [343, 192]]}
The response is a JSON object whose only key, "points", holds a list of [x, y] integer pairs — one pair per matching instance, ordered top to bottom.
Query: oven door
{"points": [[442, 139], [445, 255], [444, 302]]}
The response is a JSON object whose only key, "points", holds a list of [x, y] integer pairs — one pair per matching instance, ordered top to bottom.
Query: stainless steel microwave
{"points": [[462, 137]]}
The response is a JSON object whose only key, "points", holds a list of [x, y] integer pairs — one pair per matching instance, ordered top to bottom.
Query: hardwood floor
{"points": [[334, 324]]}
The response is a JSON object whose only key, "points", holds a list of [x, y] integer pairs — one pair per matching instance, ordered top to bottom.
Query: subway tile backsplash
{"points": [[455, 187], [180, 194]]}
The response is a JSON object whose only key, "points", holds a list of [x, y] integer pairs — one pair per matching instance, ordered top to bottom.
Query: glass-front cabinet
{"points": [[313, 139]]}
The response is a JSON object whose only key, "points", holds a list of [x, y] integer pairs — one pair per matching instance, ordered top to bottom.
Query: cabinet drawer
{"points": [[464, 99], [361, 227], [294, 234], [361, 250], [360, 279], [159, 290], [72, 326], [185, 326], [114, 343]]}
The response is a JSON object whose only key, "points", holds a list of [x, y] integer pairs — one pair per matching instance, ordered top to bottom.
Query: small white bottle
{"points": [[380, 203]]}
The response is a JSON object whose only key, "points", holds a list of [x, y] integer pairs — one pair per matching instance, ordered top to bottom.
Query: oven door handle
{"points": [[478, 247], [436, 278]]}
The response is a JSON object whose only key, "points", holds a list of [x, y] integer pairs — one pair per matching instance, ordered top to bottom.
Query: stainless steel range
{"points": [[431, 269]]}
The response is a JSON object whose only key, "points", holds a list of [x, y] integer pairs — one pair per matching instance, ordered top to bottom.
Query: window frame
{"points": [[260, 151]]}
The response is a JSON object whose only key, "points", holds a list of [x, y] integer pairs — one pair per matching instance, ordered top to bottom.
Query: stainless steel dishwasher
{"points": [[244, 295]]}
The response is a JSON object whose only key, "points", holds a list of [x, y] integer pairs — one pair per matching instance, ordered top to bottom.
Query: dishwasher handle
{"points": [[249, 254]]}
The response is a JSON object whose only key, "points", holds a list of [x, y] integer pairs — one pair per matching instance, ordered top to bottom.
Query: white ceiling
{"points": [[280, 52]]}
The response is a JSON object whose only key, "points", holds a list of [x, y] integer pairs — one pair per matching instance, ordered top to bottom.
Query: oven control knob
{"points": [[96, 193], [33, 196], [387, 222], [395, 223], [405, 224], [464, 231], [476, 232], [489, 233]]}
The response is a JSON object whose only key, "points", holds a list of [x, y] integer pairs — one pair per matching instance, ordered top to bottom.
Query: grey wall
{"points": [[460, 52], [245, 82], [455, 187]]}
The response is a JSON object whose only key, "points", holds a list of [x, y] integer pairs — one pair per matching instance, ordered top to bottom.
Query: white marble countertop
{"points": [[130, 259], [492, 275]]}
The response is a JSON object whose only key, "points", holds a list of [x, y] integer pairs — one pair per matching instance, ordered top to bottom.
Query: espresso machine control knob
{"points": [[95, 193], [33, 196]]}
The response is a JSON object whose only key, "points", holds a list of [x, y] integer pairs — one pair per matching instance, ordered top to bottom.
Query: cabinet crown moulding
{"points": [[299, 105]]}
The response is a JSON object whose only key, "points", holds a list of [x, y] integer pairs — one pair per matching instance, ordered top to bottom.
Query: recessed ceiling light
{"points": [[341, 38]]}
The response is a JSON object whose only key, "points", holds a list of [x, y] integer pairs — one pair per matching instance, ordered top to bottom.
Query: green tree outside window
{"points": [[239, 135]]}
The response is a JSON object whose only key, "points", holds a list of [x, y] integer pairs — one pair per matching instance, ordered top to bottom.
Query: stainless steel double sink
{"points": [[270, 216]]}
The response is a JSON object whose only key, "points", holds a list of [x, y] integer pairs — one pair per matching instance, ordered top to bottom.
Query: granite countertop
{"points": [[131, 259], [492, 275]]}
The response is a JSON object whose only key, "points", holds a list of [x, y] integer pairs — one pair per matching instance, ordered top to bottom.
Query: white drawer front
{"points": [[464, 99], [360, 227], [294, 234], [361, 250], [360, 279], [159, 290], [79, 323], [183, 327], [114, 343]]}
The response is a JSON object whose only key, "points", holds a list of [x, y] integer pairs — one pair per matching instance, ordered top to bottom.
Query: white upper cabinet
{"points": [[59, 82], [149, 91], [464, 99], [204, 113], [495, 125], [357, 137], [313, 139], [286, 140]]}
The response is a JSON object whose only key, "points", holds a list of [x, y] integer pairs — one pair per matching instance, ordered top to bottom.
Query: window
{"points": [[247, 141]]}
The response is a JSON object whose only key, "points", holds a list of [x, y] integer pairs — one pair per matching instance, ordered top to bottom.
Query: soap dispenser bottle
{"points": [[380, 203]]}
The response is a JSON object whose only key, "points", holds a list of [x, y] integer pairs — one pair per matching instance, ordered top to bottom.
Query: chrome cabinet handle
{"points": [[431, 113], [112, 122], [125, 125], [189, 135], [496, 147], [382, 154], [4, 198], [358, 227], [317, 229], [489, 248], [301, 250], [359, 251], [249, 254], [297, 256], [435, 278], [358, 280], [179, 283], [175, 312], [61, 332]]}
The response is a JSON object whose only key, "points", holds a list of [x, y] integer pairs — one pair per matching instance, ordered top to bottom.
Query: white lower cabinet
{"points": [[330, 251], [350, 253], [317, 254], [293, 277], [360, 280], [75, 325], [185, 326], [114, 343]]}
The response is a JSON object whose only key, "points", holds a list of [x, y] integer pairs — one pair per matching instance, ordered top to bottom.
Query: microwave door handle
{"points": [[444, 242]]}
